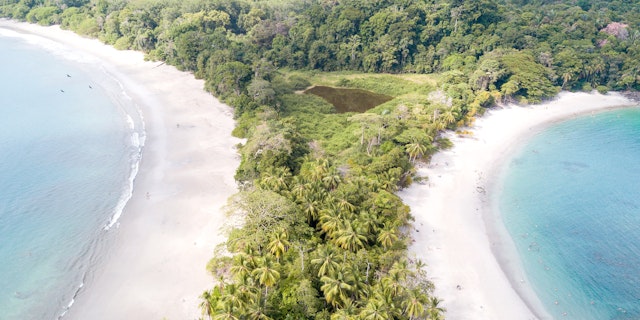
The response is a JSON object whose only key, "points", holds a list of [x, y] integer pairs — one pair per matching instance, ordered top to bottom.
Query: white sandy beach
{"points": [[458, 234], [155, 268]]}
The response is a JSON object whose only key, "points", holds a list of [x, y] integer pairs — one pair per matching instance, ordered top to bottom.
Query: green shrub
{"points": [[20, 11], [45, 16], [88, 27], [123, 43], [298, 82], [342, 82], [602, 89]]}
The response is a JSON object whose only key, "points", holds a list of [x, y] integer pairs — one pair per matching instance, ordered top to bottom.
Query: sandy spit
{"points": [[459, 234]]}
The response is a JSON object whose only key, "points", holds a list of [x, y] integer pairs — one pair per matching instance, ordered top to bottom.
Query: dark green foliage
{"points": [[374, 36], [521, 76], [228, 79]]}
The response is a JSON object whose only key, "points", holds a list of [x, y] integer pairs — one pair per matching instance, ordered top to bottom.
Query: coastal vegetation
{"points": [[321, 233]]}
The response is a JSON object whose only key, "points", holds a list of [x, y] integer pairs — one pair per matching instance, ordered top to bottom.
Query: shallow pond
{"points": [[349, 100]]}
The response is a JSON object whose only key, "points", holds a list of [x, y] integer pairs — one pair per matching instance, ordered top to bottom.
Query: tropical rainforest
{"points": [[320, 232]]}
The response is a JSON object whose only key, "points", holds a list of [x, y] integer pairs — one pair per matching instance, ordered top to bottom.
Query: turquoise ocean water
{"points": [[70, 143], [570, 200]]}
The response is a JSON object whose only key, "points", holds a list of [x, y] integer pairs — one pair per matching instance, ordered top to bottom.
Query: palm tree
{"points": [[597, 67], [565, 78], [449, 116], [415, 149], [319, 170], [274, 179], [332, 179], [388, 181], [299, 188], [345, 205], [311, 208], [367, 220], [330, 223], [387, 236], [350, 237], [279, 245], [251, 257], [327, 260], [242, 266], [418, 267], [400, 268], [266, 274], [361, 285], [392, 285], [336, 288], [246, 291], [233, 296], [231, 302], [208, 304], [413, 304], [375, 310], [256, 311], [434, 311], [225, 312], [347, 312], [341, 314]]}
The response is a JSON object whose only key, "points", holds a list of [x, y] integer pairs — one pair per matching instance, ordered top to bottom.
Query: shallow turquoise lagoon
{"points": [[570, 199]]}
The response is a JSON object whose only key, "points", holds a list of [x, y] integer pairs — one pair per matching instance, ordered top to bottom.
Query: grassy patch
{"points": [[394, 85]]}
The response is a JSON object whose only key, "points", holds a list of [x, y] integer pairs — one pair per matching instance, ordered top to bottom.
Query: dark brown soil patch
{"points": [[349, 100]]}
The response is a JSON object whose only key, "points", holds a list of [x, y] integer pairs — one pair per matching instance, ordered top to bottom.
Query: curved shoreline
{"points": [[458, 231], [154, 267]]}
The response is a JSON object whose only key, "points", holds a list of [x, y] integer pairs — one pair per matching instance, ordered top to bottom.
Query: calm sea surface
{"points": [[69, 148], [571, 202]]}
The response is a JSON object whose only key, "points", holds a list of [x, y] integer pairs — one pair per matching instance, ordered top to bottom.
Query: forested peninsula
{"points": [[320, 232]]}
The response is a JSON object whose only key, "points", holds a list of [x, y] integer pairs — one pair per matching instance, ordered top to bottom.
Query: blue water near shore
{"points": [[69, 149], [571, 202]]}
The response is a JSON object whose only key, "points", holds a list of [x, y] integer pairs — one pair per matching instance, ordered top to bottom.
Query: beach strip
{"points": [[458, 233], [156, 265]]}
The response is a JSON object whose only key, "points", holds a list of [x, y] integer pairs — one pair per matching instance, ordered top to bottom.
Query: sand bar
{"points": [[457, 233], [155, 266]]}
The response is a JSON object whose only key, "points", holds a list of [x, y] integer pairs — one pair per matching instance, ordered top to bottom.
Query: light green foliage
{"points": [[19, 11], [44, 15], [75, 19], [123, 43], [261, 91], [262, 212]]}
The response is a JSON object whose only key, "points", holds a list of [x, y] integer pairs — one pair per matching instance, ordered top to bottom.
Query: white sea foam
{"points": [[132, 125], [137, 139], [128, 193], [73, 300]]}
